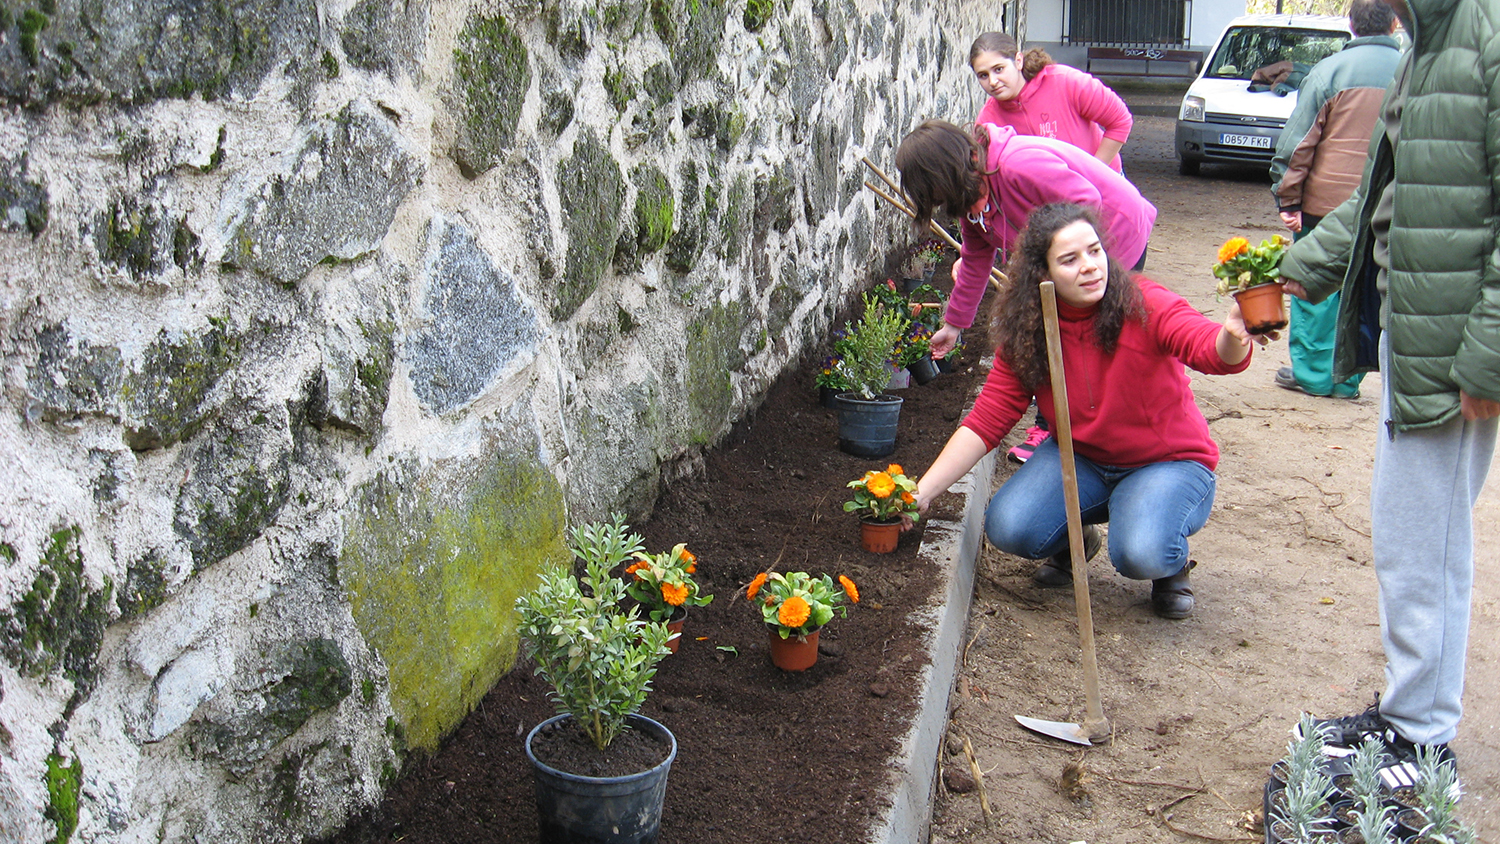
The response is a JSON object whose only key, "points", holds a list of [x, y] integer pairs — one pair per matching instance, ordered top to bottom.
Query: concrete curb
{"points": [[954, 547]]}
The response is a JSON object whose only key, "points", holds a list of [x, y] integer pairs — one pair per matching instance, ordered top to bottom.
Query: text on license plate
{"points": [[1245, 140]]}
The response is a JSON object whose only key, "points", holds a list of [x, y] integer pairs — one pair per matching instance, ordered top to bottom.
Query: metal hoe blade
{"points": [[1057, 729]]}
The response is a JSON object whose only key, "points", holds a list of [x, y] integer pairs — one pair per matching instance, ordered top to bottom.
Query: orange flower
{"points": [[1232, 247], [895, 469], [881, 486], [908, 498], [689, 557], [636, 567], [692, 568], [759, 581], [849, 589], [674, 595], [794, 612]]}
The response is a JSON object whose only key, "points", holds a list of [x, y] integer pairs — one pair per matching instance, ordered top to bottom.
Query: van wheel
{"points": [[1188, 166]]}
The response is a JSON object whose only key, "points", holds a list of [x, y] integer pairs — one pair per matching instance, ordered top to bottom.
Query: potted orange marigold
{"points": [[1253, 275], [882, 498], [664, 587], [795, 606]]}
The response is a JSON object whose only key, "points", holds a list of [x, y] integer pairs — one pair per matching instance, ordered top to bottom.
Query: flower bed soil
{"points": [[763, 755]]}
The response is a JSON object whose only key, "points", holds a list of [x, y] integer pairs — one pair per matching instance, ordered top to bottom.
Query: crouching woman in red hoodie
{"points": [[1145, 458]]}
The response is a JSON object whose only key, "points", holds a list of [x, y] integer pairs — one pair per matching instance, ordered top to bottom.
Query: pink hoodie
{"points": [[1067, 104], [1031, 172]]}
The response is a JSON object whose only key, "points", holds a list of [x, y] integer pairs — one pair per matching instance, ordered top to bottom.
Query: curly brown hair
{"points": [[1016, 322]]}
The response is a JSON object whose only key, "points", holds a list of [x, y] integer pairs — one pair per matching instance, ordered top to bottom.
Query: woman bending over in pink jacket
{"points": [[1035, 96], [992, 181]]}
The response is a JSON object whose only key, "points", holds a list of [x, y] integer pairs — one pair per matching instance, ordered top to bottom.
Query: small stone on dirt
{"points": [[833, 649], [879, 689], [958, 780]]}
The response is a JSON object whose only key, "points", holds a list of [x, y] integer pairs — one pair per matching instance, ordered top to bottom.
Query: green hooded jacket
{"points": [[1442, 297]]}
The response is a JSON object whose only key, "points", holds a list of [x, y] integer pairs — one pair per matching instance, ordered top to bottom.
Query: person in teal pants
{"points": [[1318, 163]]}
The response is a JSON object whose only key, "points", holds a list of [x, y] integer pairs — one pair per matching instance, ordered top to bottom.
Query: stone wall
{"points": [[321, 319]]}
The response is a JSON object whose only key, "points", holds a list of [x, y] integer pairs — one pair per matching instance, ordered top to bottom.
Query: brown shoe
{"points": [[1057, 570], [1172, 597]]}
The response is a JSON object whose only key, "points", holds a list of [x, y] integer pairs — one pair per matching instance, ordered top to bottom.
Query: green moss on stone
{"points": [[758, 13], [32, 24], [330, 65], [493, 71], [661, 83], [619, 86], [557, 112], [592, 190], [653, 208], [734, 218], [129, 237], [713, 355], [164, 398], [432, 580], [145, 586], [56, 626], [64, 782]]}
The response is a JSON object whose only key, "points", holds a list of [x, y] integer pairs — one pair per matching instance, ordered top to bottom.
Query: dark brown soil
{"points": [[763, 755]]}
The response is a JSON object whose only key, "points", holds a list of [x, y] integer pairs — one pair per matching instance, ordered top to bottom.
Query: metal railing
{"points": [[1127, 23]]}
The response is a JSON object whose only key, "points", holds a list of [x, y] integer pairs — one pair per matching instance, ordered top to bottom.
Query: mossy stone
{"points": [[493, 72], [661, 83], [557, 112], [592, 190], [654, 204], [24, 205], [734, 218], [713, 355], [73, 377], [165, 399], [240, 481], [432, 575], [145, 586], [56, 626], [64, 784]]}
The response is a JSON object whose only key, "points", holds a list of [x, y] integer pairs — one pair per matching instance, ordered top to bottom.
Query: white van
{"points": [[1226, 120]]}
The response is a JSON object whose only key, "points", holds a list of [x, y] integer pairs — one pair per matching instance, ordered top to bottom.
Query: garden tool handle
{"points": [[1094, 724]]}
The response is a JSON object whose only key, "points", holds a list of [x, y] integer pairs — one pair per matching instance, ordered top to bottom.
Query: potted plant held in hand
{"points": [[1251, 274], [867, 416], [881, 499], [663, 585], [795, 606], [600, 767]]}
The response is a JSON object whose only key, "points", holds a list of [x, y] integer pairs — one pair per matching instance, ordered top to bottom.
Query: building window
{"points": [[1127, 22]]}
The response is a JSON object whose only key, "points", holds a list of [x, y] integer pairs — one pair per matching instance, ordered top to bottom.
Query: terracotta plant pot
{"points": [[1262, 308], [879, 537], [674, 626], [791, 653]]}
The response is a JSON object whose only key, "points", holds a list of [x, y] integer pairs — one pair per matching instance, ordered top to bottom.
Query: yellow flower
{"points": [[1232, 247], [894, 469], [881, 486], [759, 581], [849, 589], [674, 595], [794, 612]]}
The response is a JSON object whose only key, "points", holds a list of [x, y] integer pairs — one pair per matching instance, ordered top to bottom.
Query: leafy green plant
{"points": [[925, 304], [866, 363], [883, 496], [662, 583], [797, 603], [598, 657], [1364, 771], [1437, 788], [1305, 801], [1375, 823]]}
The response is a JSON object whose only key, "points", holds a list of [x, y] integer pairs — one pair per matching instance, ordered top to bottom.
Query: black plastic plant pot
{"points": [[923, 369], [868, 428], [575, 809]]}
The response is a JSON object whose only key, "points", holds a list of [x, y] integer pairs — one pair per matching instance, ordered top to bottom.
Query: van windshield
{"points": [[1246, 48]]}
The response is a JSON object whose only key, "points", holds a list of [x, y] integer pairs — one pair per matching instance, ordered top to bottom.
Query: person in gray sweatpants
{"points": [[1412, 254]]}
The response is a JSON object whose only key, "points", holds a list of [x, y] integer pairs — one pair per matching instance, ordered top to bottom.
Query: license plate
{"points": [[1245, 141]]}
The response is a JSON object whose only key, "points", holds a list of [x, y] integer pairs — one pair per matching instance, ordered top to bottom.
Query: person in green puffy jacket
{"points": [[1415, 255]]}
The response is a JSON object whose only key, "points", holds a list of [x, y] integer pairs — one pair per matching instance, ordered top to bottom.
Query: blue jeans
{"points": [[1151, 510]]}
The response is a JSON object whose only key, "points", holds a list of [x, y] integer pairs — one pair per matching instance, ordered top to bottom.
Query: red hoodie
{"points": [[1127, 409]]}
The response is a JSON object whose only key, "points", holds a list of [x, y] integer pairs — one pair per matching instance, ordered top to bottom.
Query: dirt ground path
{"points": [[1286, 618]]}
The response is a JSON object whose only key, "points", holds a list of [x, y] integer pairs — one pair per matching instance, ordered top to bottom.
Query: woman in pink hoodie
{"points": [[1033, 95], [992, 181]]}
